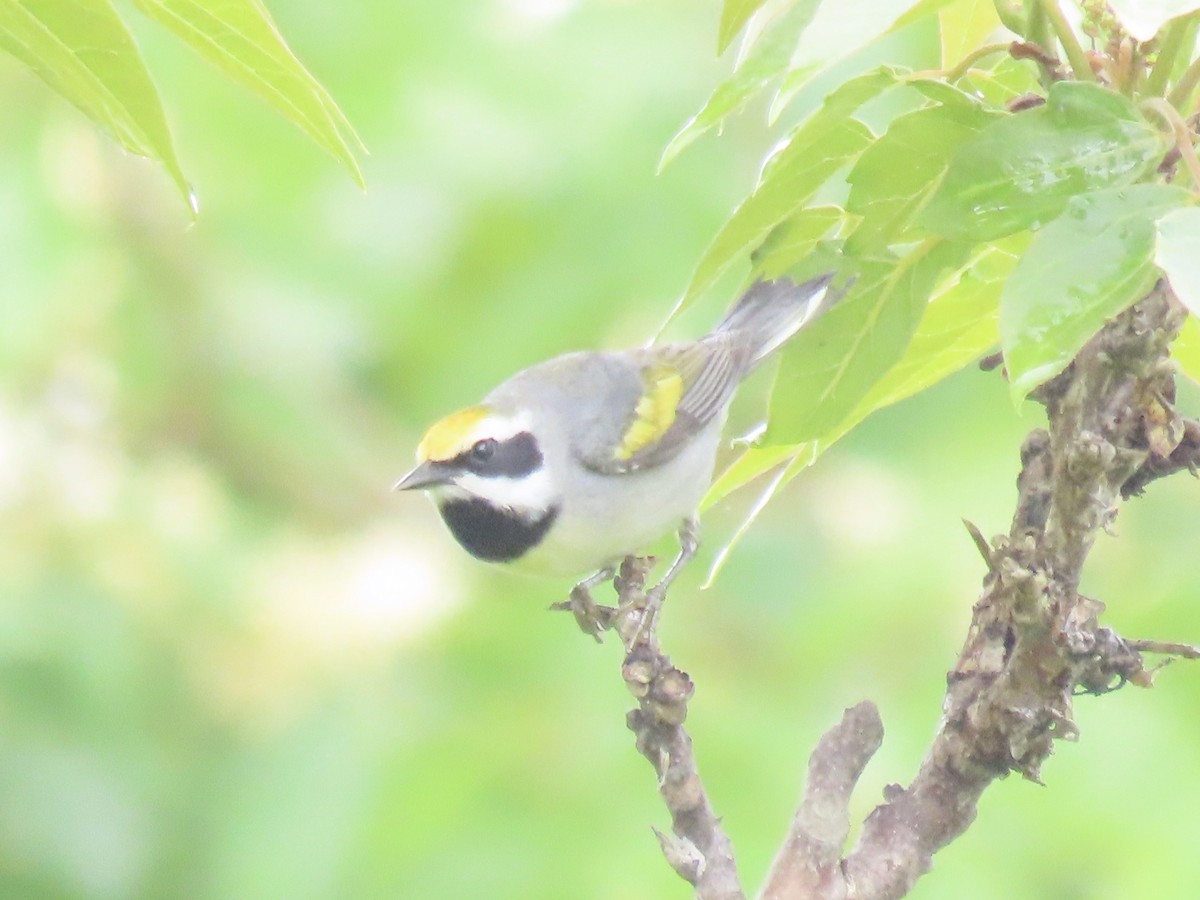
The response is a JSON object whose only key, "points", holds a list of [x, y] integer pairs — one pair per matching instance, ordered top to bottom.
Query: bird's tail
{"points": [[771, 312]]}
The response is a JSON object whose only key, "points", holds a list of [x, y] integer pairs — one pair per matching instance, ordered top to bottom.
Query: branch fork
{"points": [[1033, 645]]}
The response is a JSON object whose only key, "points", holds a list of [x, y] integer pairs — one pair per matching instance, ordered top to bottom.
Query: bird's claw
{"points": [[636, 616], [592, 618], [644, 618]]}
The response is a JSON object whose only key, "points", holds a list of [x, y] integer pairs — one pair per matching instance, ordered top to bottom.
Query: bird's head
{"points": [[486, 454]]}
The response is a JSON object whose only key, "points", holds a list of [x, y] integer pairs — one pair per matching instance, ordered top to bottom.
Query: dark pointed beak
{"points": [[425, 475]]}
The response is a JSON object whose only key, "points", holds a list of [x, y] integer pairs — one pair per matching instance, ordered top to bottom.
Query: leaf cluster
{"points": [[84, 51], [1013, 190]]}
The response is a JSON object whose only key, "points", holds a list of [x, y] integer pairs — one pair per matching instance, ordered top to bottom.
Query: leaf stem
{"points": [[1036, 31], [1173, 40], [1080, 64], [963, 65], [1181, 95], [1183, 136]]}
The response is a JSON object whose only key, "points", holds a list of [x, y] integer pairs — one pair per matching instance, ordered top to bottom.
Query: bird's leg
{"points": [[689, 543], [591, 617]]}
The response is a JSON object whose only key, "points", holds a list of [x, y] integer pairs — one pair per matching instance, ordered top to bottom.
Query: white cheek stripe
{"points": [[532, 492]]}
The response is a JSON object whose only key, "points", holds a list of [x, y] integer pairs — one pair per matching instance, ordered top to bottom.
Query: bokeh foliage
{"points": [[83, 50], [232, 665]]}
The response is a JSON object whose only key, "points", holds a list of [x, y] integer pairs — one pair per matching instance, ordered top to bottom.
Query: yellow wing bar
{"points": [[655, 412]]}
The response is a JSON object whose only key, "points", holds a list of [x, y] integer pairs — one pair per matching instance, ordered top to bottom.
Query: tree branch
{"points": [[1033, 644], [700, 851], [809, 862]]}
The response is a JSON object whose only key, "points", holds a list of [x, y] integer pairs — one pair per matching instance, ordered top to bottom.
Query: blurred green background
{"points": [[233, 665]]}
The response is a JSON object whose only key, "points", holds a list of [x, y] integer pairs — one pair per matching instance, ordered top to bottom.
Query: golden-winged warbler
{"points": [[577, 462]]}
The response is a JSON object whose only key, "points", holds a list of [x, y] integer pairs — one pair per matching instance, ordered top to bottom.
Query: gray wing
{"points": [[693, 381]]}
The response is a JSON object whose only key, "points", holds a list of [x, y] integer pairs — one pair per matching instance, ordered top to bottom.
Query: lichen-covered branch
{"points": [[1034, 641], [1033, 644], [699, 850]]}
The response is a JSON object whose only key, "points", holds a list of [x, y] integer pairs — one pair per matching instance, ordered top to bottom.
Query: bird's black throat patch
{"points": [[492, 534]]}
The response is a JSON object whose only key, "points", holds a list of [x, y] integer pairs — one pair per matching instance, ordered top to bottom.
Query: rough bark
{"points": [[1034, 642]]}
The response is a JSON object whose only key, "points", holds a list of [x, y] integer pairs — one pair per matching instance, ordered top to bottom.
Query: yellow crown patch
{"points": [[452, 435]]}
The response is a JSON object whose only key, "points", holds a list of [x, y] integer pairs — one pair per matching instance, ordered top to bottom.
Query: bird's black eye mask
{"points": [[514, 457]]}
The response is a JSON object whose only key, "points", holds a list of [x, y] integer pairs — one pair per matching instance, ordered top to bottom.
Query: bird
{"points": [[580, 461]]}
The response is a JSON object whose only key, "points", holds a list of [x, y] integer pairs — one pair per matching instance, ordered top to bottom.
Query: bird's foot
{"points": [[652, 600], [635, 617], [592, 618], [641, 618], [632, 622]]}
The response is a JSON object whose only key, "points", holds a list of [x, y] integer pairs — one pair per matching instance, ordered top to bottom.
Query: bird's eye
{"points": [[483, 450]]}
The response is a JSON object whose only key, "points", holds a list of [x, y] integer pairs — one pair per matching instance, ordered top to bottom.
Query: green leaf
{"points": [[919, 11], [734, 15], [965, 25], [242, 40], [915, 46], [82, 49], [767, 61], [793, 82], [1004, 82], [932, 87], [847, 97], [819, 147], [1020, 171], [791, 180], [888, 196], [794, 240], [1177, 253], [1081, 270], [960, 325], [958, 328], [1186, 349], [832, 364], [799, 458], [753, 462]]}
